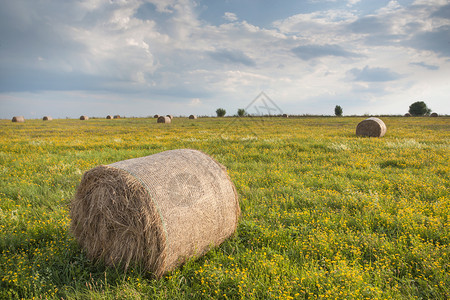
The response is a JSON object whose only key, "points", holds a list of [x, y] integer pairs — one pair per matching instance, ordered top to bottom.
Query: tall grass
{"points": [[325, 214]]}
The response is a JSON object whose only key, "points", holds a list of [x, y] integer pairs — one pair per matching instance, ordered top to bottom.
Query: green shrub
{"points": [[419, 108], [221, 112]]}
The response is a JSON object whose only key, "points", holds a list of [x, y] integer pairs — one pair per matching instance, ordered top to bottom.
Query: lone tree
{"points": [[419, 108], [338, 111], [221, 112], [241, 112]]}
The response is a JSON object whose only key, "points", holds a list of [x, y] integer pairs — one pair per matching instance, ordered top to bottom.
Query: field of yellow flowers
{"points": [[325, 214]]}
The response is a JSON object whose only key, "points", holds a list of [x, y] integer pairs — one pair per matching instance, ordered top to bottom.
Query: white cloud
{"points": [[351, 3], [164, 6], [391, 7], [230, 16], [321, 27]]}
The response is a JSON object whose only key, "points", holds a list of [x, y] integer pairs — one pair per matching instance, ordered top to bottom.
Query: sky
{"points": [[66, 58]]}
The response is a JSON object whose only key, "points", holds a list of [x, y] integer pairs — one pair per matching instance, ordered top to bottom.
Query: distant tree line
{"points": [[418, 108]]}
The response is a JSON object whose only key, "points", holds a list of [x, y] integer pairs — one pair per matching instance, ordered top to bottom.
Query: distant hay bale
{"points": [[408, 115], [434, 115], [156, 116], [170, 116], [285, 116], [108, 117], [116, 117], [193, 117], [47, 118], [84, 118], [18, 119], [163, 119], [372, 127], [155, 211]]}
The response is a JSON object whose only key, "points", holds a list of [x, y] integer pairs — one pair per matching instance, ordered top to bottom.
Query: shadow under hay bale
{"points": [[434, 115], [108, 117], [192, 117], [47, 118], [83, 118], [18, 119], [163, 119], [372, 127], [157, 211]]}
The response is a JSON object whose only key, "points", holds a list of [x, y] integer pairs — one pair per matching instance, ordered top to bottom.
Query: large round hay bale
{"points": [[408, 115], [434, 115], [156, 116], [170, 116], [285, 116], [108, 117], [117, 117], [193, 117], [47, 118], [84, 118], [19, 119], [163, 119], [372, 127], [156, 211]]}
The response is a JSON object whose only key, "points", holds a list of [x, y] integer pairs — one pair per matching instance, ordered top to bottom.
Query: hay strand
{"points": [[18, 119], [163, 119], [372, 127], [157, 211]]}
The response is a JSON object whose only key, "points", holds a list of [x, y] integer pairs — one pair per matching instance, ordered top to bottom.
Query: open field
{"points": [[325, 214]]}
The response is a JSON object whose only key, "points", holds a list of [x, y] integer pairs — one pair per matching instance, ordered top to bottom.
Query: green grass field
{"points": [[325, 214]]}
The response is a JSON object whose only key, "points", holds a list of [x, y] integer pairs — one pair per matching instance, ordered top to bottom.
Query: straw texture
{"points": [[19, 119], [163, 119], [372, 127], [157, 210]]}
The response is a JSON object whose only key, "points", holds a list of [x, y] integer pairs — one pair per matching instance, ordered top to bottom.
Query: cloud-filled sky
{"points": [[181, 57]]}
